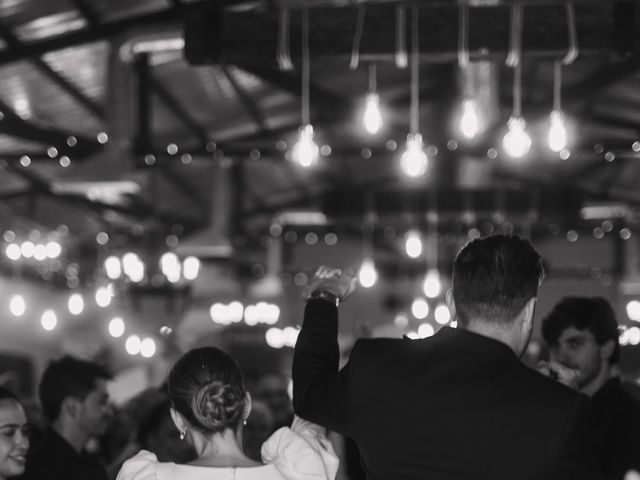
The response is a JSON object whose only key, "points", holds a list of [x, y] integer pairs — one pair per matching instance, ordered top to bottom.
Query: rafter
{"points": [[86, 10], [103, 31], [54, 76], [249, 104], [178, 109], [13, 125]]}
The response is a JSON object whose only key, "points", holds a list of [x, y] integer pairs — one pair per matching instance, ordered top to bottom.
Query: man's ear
{"points": [[451, 303], [606, 349], [70, 406]]}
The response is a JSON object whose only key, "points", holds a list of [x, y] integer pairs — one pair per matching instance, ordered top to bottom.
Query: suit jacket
{"points": [[457, 405], [53, 458]]}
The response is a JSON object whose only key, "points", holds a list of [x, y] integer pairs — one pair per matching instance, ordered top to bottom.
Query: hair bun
{"points": [[218, 406]]}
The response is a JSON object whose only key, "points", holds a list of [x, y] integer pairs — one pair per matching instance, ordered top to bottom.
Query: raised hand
{"points": [[336, 281], [556, 371]]}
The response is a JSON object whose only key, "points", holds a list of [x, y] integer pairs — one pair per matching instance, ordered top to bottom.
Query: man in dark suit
{"points": [[458, 405]]}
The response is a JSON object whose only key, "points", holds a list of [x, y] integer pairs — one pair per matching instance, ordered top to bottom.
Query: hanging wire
{"points": [[463, 35], [515, 36], [401, 37], [357, 38], [283, 54], [572, 54], [514, 56], [305, 67], [415, 72], [557, 84], [373, 86], [517, 90], [432, 235]]}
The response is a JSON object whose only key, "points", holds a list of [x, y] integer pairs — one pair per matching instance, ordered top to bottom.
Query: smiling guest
{"points": [[74, 399], [13, 435]]}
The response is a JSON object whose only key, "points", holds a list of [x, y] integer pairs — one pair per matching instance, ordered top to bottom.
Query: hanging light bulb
{"points": [[372, 117], [469, 123], [557, 137], [517, 141], [305, 151], [414, 160], [413, 244], [367, 274], [432, 285], [17, 305]]}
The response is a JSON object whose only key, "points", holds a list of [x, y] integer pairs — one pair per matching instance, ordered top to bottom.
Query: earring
{"points": [[244, 422], [183, 433]]}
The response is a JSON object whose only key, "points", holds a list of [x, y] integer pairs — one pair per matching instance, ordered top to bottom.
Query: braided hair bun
{"points": [[206, 387]]}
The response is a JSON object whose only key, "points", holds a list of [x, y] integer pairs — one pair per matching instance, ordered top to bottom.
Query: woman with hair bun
{"points": [[209, 406]]}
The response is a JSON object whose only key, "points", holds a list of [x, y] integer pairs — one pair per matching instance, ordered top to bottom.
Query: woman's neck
{"points": [[221, 450]]}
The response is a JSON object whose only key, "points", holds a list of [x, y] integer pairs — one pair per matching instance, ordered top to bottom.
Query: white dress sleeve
{"points": [[301, 452], [142, 466]]}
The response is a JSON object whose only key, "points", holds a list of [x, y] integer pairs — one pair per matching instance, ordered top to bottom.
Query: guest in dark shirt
{"points": [[582, 334], [76, 403]]}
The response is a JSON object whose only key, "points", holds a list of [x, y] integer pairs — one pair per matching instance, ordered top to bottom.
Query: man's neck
{"points": [[486, 330], [604, 375], [71, 434]]}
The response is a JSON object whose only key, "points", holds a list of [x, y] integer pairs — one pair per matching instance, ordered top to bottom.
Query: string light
{"points": [[372, 117], [469, 122], [557, 137], [517, 141], [305, 151], [414, 160], [413, 244], [190, 268], [368, 275], [432, 285], [103, 297], [75, 304], [17, 305], [420, 308], [442, 314], [49, 320], [116, 327], [132, 345], [147, 347]]}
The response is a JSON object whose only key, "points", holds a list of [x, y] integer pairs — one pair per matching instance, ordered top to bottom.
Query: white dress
{"points": [[301, 452]]}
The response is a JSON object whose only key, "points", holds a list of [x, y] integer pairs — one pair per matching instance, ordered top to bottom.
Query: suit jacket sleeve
{"points": [[320, 391], [578, 460]]}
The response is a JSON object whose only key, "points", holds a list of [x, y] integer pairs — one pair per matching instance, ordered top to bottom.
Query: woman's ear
{"points": [[247, 407], [178, 421]]}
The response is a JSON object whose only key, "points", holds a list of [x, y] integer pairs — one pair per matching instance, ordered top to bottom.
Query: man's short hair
{"points": [[494, 277], [583, 313], [67, 377]]}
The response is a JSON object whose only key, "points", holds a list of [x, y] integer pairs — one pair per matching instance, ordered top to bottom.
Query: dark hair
{"points": [[494, 277], [583, 313], [67, 377], [207, 388], [6, 394]]}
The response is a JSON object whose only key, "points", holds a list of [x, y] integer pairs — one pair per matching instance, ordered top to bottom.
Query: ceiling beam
{"points": [[86, 10], [94, 33], [13, 42], [248, 103], [178, 109], [12, 124]]}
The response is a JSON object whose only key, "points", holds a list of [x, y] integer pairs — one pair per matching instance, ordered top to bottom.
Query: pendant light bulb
{"points": [[372, 117], [469, 123], [557, 137], [517, 141], [305, 151], [414, 160], [413, 244], [368, 275], [432, 284]]}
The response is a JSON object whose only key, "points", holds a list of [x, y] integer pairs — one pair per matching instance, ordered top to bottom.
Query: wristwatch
{"points": [[324, 295]]}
